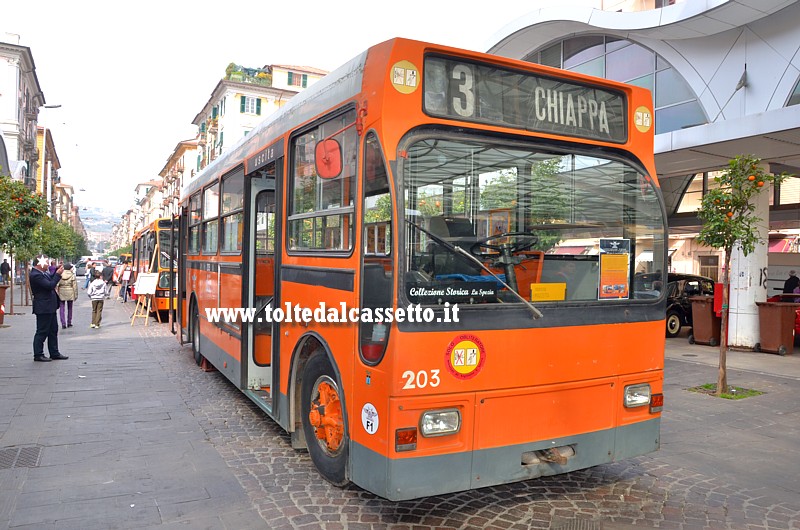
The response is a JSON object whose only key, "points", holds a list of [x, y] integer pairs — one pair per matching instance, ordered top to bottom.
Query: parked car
{"points": [[80, 268], [680, 287], [679, 308]]}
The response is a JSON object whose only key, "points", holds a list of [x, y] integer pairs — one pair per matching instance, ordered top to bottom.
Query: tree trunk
{"points": [[25, 285], [722, 378]]}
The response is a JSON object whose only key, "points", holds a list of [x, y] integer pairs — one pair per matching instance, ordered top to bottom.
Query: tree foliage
{"points": [[21, 211], [729, 221], [26, 230]]}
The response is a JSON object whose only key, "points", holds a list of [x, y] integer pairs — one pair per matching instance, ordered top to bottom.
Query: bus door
{"points": [[180, 246], [261, 287]]}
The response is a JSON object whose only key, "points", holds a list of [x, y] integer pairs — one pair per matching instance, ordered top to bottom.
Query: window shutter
{"points": [[290, 79], [305, 80], [241, 105], [258, 106], [214, 112], [203, 127], [221, 134], [199, 159]]}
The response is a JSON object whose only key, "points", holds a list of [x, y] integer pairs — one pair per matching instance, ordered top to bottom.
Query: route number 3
{"points": [[465, 104], [420, 379]]}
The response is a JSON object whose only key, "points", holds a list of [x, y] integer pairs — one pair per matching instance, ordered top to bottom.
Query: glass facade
{"points": [[676, 106]]}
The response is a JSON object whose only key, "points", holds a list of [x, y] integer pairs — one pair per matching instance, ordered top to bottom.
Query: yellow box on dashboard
{"points": [[546, 292]]}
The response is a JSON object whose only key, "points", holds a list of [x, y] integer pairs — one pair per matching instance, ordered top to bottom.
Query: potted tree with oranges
{"points": [[729, 221]]}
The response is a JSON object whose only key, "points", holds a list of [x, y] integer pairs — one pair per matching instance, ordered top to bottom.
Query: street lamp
{"points": [[45, 190]]}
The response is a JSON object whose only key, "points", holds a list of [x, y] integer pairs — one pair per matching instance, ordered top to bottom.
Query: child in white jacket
{"points": [[97, 292]]}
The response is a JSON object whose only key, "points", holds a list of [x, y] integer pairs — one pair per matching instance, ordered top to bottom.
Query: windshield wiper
{"points": [[535, 313]]}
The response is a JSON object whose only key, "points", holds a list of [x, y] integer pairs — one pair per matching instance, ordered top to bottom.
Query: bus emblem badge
{"points": [[405, 77], [465, 356], [369, 418]]}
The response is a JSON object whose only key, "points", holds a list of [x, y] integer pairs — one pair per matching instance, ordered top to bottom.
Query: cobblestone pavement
{"points": [[723, 465]]}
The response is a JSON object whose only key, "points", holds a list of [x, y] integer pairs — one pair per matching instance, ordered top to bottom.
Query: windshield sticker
{"points": [[405, 77], [642, 119], [614, 265], [453, 292], [465, 356], [369, 418]]}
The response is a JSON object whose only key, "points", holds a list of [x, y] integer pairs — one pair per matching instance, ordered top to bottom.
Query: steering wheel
{"points": [[521, 241]]}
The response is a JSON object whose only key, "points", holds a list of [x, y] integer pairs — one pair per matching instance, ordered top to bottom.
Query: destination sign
{"points": [[487, 94], [264, 157]]}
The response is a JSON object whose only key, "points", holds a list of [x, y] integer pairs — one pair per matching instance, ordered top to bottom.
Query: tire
{"points": [[674, 323], [195, 331], [691, 339], [713, 342], [757, 347], [781, 350], [321, 400]]}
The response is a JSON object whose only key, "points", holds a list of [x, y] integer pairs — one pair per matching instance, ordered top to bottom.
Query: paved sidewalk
{"points": [[760, 362], [128, 433], [103, 440]]}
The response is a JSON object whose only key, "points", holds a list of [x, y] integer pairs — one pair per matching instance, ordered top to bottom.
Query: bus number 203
{"points": [[420, 379]]}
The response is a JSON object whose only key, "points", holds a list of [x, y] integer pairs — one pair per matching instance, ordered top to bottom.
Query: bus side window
{"points": [[377, 273]]}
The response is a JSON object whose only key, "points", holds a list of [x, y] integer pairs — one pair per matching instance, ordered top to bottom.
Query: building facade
{"points": [[725, 82], [20, 99], [239, 102], [180, 163]]}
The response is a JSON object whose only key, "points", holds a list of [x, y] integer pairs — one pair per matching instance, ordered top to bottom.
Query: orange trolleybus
{"points": [[153, 252], [434, 254]]}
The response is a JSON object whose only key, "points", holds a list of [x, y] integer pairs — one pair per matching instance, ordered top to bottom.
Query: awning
{"points": [[781, 245], [574, 251], [645, 255]]}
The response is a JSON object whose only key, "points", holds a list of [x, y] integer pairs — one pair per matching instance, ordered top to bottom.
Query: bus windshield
{"points": [[540, 220]]}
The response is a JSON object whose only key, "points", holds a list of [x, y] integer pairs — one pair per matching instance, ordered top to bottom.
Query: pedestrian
{"points": [[5, 272], [89, 275], [108, 277], [124, 279], [791, 283], [67, 290], [97, 292], [45, 305]]}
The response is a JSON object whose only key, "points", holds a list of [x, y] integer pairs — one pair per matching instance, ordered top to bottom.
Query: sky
{"points": [[130, 77]]}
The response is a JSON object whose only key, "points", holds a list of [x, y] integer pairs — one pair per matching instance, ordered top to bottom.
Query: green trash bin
{"points": [[705, 322]]}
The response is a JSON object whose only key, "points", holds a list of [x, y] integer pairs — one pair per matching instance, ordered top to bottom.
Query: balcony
{"points": [[261, 78]]}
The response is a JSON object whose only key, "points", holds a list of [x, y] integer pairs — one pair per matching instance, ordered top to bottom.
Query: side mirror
{"points": [[328, 159]]}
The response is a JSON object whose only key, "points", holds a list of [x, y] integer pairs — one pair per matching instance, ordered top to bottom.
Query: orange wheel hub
{"points": [[326, 416]]}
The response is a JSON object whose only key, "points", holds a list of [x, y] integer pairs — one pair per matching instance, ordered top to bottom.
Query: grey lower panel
{"points": [[217, 356], [410, 478]]}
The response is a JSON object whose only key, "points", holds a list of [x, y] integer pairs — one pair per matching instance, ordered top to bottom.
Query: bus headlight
{"points": [[637, 395], [440, 422]]}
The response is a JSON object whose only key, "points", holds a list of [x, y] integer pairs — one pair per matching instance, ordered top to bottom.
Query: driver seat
{"points": [[459, 232]]}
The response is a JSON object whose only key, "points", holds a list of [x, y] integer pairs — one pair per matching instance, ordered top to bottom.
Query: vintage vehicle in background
{"points": [[680, 287]]}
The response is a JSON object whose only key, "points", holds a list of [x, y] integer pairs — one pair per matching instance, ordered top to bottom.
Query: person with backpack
{"points": [[108, 278], [67, 290]]}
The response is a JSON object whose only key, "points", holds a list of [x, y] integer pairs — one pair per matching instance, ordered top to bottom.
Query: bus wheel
{"points": [[198, 357], [324, 420]]}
